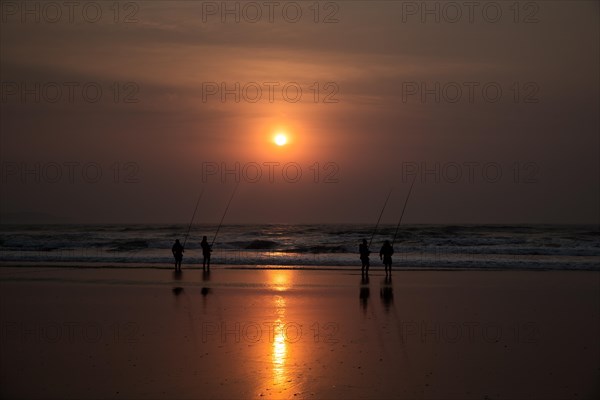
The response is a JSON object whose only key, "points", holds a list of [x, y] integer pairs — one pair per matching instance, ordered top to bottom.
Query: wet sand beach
{"points": [[139, 333]]}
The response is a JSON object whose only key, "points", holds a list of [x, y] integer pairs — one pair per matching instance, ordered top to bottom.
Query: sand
{"points": [[141, 333]]}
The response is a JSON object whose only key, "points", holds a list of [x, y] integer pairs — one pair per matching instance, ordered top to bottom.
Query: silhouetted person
{"points": [[177, 250], [206, 250], [364, 251], [386, 255]]}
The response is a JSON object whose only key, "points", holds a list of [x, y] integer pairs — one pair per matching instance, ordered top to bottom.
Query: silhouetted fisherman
{"points": [[177, 250], [206, 250], [364, 251], [386, 255]]}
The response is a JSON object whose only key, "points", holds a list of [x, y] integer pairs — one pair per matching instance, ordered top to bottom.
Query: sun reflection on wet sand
{"points": [[280, 281], [280, 350], [280, 378]]}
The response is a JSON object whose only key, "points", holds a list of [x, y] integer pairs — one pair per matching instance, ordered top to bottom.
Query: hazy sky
{"points": [[124, 114]]}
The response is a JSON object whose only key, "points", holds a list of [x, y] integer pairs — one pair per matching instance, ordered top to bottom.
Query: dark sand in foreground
{"points": [[112, 333]]}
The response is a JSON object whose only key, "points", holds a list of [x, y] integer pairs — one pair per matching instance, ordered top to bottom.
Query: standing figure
{"points": [[177, 250], [206, 250], [364, 251], [386, 255]]}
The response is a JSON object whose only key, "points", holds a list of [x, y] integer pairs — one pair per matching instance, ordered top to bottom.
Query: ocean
{"points": [[560, 247]]}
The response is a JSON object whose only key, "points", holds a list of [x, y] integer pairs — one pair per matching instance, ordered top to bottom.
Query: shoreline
{"points": [[198, 267]]}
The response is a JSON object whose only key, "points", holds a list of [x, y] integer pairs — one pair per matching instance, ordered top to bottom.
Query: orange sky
{"points": [[350, 149]]}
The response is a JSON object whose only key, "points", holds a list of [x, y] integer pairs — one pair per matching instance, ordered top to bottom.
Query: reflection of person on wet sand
{"points": [[177, 250], [206, 250], [364, 251], [386, 253], [177, 275], [177, 290], [205, 290], [365, 292], [387, 292]]}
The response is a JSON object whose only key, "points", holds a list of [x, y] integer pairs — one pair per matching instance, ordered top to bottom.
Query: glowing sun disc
{"points": [[280, 139]]}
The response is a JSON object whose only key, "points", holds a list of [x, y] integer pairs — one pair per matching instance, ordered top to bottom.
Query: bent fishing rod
{"points": [[404, 208], [225, 213], [380, 214], [193, 216]]}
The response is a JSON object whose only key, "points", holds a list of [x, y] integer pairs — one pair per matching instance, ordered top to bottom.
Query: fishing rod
{"points": [[404, 208], [225, 213], [380, 214], [193, 216]]}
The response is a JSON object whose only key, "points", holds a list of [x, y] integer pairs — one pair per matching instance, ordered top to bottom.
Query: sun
{"points": [[280, 139]]}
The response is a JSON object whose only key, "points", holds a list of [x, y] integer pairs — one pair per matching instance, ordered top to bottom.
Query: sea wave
{"points": [[444, 246]]}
